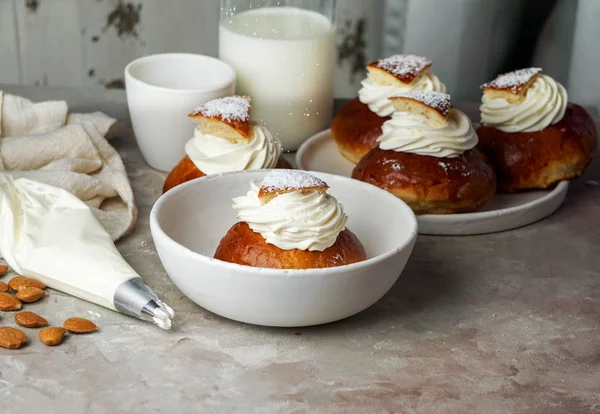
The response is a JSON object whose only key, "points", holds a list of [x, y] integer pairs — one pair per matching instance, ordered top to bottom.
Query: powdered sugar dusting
{"points": [[404, 67], [512, 81], [436, 100], [231, 108], [395, 165], [459, 167], [288, 179]]}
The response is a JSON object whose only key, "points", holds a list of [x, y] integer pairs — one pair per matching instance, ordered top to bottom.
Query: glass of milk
{"points": [[283, 53]]}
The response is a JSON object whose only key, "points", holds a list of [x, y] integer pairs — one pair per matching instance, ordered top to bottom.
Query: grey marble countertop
{"points": [[498, 323]]}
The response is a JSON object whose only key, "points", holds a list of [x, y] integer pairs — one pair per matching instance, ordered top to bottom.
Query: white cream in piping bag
{"points": [[212, 154], [304, 220], [50, 235]]}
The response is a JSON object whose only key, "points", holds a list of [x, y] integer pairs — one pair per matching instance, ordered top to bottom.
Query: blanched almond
{"points": [[3, 269], [19, 281], [30, 294], [8, 302], [30, 319], [80, 325], [52, 336], [12, 338]]}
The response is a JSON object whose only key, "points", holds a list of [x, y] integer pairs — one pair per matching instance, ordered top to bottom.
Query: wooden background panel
{"points": [[504, 24], [182, 26], [394, 26], [117, 33], [112, 38], [421, 39], [465, 39], [359, 40], [50, 41], [89, 42], [554, 49], [473, 53], [10, 68], [584, 86]]}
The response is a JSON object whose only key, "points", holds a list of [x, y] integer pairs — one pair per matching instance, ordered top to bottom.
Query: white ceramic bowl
{"points": [[188, 222]]}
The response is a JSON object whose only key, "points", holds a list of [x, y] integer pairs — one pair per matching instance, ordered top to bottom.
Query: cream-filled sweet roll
{"points": [[393, 76], [525, 100], [424, 123], [357, 125], [531, 133], [226, 140], [427, 157], [292, 210], [290, 221]]}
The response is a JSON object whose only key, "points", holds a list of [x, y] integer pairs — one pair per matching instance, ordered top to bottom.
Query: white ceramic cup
{"points": [[161, 91]]}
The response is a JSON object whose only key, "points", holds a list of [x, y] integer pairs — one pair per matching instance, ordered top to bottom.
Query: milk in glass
{"points": [[284, 59]]}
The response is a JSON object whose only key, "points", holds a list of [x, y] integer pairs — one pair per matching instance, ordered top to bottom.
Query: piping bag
{"points": [[48, 234]]}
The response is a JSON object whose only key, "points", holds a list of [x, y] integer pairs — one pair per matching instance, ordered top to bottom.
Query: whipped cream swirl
{"points": [[377, 96], [544, 104], [409, 132], [212, 154], [293, 220]]}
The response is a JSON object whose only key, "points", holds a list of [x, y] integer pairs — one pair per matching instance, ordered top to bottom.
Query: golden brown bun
{"points": [[228, 118], [355, 129], [537, 160], [186, 170], [431, 185], [243, 246]]}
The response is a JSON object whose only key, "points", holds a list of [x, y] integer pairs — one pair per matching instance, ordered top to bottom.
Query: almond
{"points": [[3, 269], [17, 282], [3, 287], [30, 294], [8, 302], [30, 320], [80, 325], [52, 336], [12, 338]]}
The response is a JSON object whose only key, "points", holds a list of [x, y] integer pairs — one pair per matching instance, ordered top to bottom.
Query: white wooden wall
{"points": [[467, 39], [70, 43], [585, 60]]}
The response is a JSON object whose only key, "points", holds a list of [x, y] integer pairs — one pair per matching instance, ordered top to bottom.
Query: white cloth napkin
{"points": [[44, 142]]}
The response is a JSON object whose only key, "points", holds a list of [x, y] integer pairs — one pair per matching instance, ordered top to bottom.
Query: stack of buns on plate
{"points": [[404, 136]]}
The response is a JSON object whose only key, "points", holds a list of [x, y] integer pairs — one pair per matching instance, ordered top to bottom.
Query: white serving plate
{"points": [[503, 212], [188, 222]]}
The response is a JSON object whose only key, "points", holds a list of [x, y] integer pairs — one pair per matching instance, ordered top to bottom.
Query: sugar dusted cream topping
{"points": [[412, 70], [545, 104], [415, 133], [213, 154], [304, 220]]}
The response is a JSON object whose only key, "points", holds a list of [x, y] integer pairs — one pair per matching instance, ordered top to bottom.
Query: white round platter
{"points": [[503, 212]]}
